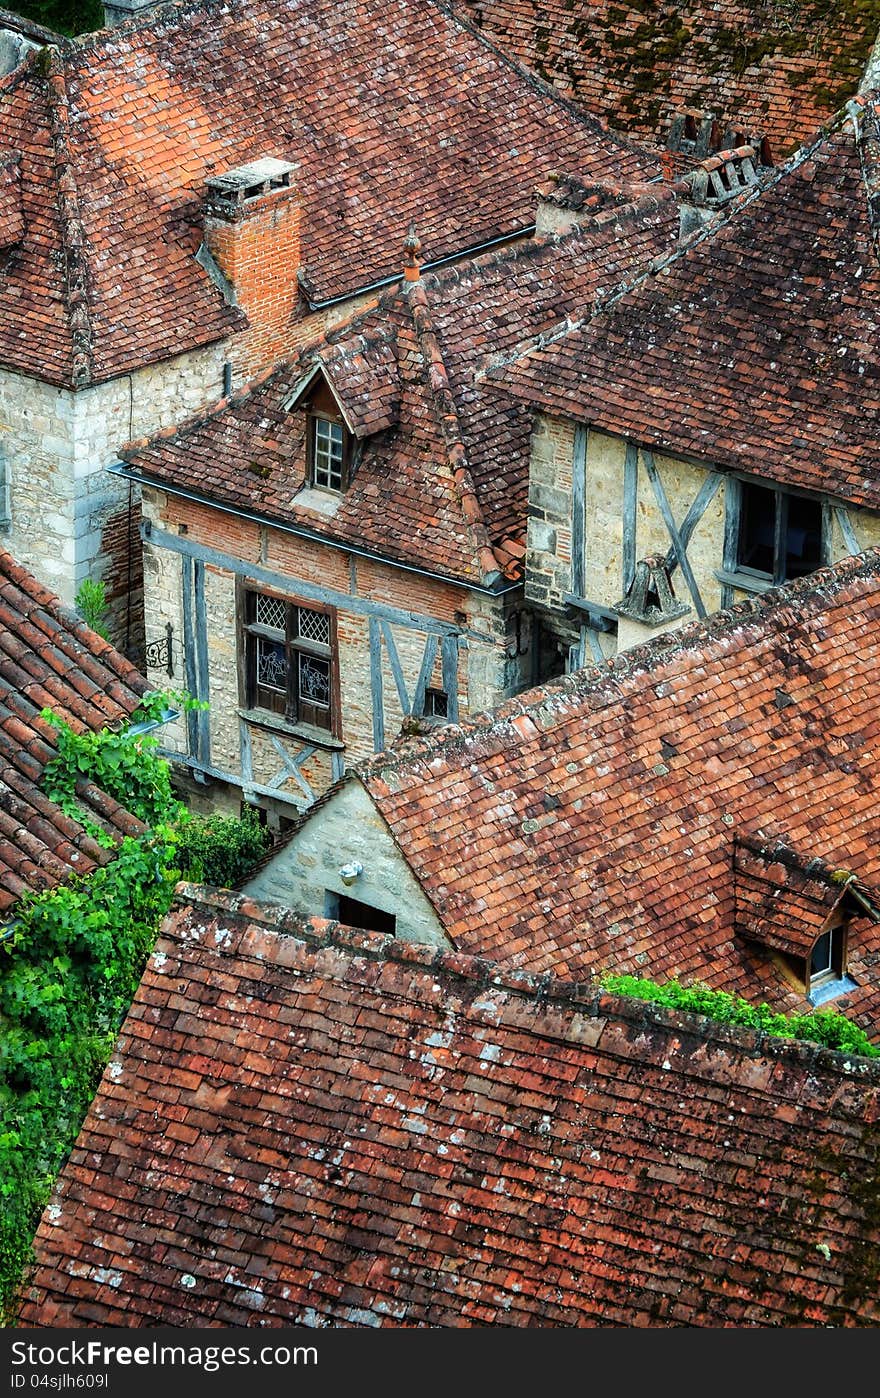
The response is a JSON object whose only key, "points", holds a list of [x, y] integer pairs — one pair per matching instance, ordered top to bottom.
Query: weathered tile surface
{"points": [[775, 70], [391, 113], [755, 347], [443, 476], [50, 659], [591, 824], [306, 1125]]}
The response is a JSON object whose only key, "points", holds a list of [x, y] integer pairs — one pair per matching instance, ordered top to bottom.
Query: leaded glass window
{"points": [[289, 659]]}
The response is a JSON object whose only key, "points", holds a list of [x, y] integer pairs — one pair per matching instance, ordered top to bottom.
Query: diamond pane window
{"points": [[327, 453], [271, 611], [314, 626], [290, 672]]}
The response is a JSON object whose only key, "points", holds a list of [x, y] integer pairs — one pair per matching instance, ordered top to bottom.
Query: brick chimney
{"points": [[252, 235]]}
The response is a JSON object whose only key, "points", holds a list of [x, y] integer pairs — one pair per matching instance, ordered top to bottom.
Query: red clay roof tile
{"points": [[761, 70], [119, 132], [756, 345], [442, 478], [50, 658], [652, 766], [307, 1126]]}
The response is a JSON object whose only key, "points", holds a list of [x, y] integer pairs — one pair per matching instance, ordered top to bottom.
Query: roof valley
{"points": [[73, 238]]}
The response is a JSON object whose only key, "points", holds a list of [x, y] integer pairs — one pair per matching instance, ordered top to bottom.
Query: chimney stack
{"points": [[705, 190], [252, 235], [650, 605]]}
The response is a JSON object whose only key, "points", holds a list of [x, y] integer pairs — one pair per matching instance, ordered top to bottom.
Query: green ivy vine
{"points": [[72, 959], [828, 1028]]}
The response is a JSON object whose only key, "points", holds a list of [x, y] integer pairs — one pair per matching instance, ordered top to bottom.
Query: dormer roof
{"points": [[786, 901]]}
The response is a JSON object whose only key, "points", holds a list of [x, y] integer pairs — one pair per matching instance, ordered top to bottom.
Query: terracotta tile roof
{"points": [[766, 70], [120, 130], [11, 220], [756, 345], [364, 374], [449, 481], [50, 659], [590, 824], [785, 901], [302, 1125]]}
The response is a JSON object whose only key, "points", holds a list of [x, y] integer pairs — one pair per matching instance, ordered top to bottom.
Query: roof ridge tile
{"points": [[73, 238], [456, 451], [545, 990]]}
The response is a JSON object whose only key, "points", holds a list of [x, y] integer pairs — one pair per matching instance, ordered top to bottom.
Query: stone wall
{"points": [[66, 509], [349, 829]]}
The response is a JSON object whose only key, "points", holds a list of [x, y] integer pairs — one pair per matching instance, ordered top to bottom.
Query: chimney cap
{"points": [[232, 189]]}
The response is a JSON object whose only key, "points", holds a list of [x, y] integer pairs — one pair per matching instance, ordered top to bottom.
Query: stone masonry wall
{"points": [[66, 509], [348, 829]]}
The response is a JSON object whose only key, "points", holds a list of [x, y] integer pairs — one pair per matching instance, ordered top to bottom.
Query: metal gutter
{"points": [[474, 251], [119, 468]]}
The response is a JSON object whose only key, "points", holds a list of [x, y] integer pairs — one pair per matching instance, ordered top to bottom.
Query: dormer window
{"points": [[328, 453], [799, 910]]}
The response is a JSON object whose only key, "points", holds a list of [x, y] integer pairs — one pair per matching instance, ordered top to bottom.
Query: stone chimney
{"points": [[252, 246], [650, 605]]}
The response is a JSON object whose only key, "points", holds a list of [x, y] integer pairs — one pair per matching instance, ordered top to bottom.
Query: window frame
{"points": [[314, 419], [736, 517], [293, 709], [432, 715], [836, 969]]}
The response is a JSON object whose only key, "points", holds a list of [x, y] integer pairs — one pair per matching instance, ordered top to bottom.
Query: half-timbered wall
{"points": [[598, 504], [397, 634]]}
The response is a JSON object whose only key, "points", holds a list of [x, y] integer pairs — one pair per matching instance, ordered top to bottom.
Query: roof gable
{"points": [[445, 487]]}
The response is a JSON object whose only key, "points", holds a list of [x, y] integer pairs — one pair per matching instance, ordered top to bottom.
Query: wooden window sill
{"points": [[262, 718]]}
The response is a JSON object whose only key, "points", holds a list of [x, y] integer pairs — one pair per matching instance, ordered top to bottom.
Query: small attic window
{"points": [[329, 444], [436, 704]]}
